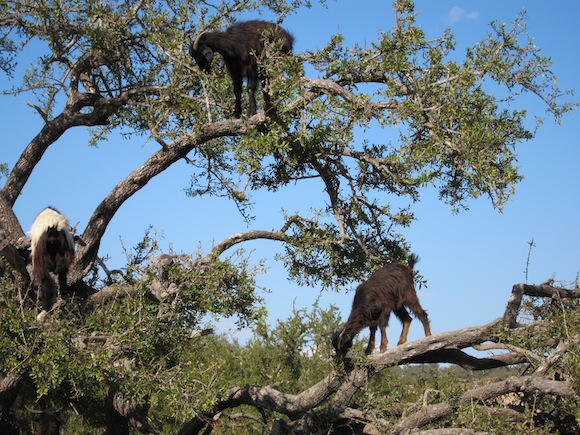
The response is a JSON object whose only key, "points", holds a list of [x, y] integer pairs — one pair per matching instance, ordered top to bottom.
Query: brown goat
{"points": [[240, 46], [390, 288], [47, 422]]}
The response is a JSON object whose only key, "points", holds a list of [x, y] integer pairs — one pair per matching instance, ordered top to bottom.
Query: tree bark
{"points": [[155, 164], [11, 237], [542, 290], [529, 384], [9, 388], [330, 397], [122, 412]]}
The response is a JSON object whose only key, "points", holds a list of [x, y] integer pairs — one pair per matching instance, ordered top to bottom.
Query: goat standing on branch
{"points": [[240, 46], [53, 251], [391, 288]]}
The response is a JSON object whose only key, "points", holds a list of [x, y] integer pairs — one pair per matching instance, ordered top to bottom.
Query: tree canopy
{"points": [[125, 352]]}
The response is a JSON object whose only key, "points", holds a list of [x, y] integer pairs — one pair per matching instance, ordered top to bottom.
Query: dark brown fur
{"points": [[240, 46], [52, 253], [390, 289], [48, 423]]}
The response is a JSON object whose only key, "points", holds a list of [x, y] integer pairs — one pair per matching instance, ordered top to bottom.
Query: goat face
{"points": [[203, 55], [341, 342], [47, 423]]}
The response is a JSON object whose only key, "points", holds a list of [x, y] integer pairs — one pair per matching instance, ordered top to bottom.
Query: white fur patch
{"points": [[46, 219]]}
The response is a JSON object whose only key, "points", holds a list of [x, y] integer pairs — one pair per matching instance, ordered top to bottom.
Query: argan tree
{"points": [[126, 350]]}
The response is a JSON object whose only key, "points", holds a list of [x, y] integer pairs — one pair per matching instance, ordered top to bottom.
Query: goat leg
{"points": [[252, 88], [238, 94], [405, 318], [384, 338], [371, 345]]}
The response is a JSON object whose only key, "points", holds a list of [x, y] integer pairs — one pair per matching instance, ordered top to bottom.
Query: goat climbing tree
{"points": [[123, 353], [329, 400]]}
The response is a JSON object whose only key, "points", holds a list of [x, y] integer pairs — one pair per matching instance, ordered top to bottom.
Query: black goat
{"points": [[240, 46], [53, 251], [390, 288], [47, 422]]}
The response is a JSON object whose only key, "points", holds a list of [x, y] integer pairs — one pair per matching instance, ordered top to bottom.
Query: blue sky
{"points": [[471, 259]]}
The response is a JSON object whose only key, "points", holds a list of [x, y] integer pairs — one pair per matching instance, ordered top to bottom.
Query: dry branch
{"points": [[543, 290], [112, 292], [529, 384], [346, 386], [268, 398], [328, 400]]}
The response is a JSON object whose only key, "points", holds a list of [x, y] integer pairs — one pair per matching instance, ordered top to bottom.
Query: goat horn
{"points": [[196, 43], [33, 411], [40, 411]]}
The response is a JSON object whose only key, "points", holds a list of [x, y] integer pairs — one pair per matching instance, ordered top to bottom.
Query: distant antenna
{"points": [[531, 246]]}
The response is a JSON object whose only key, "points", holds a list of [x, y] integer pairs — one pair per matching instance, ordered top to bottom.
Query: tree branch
{"points": [[136, 180], [10, 235], [237, 238], [521, 290], [109, 293], [528, 384], [344, 387], [9, 388], [269, 398]]}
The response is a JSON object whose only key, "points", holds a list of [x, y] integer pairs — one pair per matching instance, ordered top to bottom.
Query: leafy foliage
{"points": [[131, 344]]}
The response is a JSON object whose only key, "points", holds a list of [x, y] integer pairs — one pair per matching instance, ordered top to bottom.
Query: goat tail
{"points": [[412, 260]]}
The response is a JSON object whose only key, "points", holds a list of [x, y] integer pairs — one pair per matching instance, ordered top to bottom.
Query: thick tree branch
{"points": [[74, 114], [49, 134], [136, 180], [11, 235], [543, 290], [110, 293], [466, 361], [529, 384], [9, 387], [346, 387], [337, 392], [269, 398], [135, 413]]}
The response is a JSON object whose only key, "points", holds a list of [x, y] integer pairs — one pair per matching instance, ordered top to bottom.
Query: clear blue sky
{"points": [[471, 260]]}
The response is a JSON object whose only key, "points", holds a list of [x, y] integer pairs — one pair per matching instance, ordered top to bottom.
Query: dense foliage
{"points": [[130, 349]]}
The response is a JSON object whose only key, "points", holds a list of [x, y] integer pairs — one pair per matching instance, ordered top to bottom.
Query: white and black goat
{"points": [[240, 46], [53, 251], [389, 289]]}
